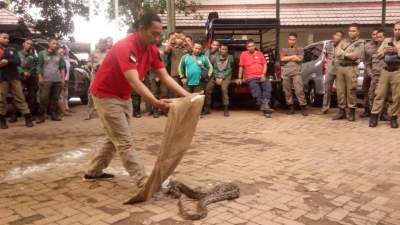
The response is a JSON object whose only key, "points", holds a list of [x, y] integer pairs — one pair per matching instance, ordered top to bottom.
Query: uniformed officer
{"points": [[369, 49], [348, 53], [292, 58], [377, 66], [331, 70], [390, 79], [10, 80]]}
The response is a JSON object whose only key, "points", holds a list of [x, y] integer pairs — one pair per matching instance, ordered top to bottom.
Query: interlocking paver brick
{"points": [[272, 161]]}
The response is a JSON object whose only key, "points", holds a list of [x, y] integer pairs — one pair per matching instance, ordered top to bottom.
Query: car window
{"points": [[312, 53]]}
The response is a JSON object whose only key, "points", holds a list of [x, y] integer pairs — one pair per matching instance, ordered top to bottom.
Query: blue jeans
{"points": [[260, 90]]}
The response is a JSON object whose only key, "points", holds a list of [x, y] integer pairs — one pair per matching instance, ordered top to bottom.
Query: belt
{"points": [[391, 69]]}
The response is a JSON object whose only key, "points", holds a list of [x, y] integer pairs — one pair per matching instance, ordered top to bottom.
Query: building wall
{"points": [[237, 2], [306, 36]]}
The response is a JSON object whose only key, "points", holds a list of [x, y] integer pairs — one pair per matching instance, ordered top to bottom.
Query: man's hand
{"points": [[391, 49], [3, 62], [26, 75], [263, 78], [40, 79], [184, 80], [219, 81], [239, 81], [163, 104]]}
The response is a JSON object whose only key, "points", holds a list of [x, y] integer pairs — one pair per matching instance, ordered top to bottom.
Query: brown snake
{"points": [[220, 192]]}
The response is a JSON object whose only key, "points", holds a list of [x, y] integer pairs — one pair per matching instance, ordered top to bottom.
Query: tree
{"points": [[132, 9], [55, 18]]}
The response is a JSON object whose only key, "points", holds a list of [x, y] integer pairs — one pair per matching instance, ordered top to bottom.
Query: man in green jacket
{"points": [[27, 69], [195, 69], [222, 74]]}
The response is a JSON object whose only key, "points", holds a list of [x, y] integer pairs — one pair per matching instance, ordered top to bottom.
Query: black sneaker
{"points": [[103, 176]]}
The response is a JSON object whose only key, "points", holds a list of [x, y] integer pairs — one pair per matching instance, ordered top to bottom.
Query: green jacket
{"points": [[28, 62], [50, 64], [228, 70]]}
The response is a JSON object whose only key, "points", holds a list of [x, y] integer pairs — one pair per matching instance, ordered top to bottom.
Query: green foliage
{"points": [[55, 16]]}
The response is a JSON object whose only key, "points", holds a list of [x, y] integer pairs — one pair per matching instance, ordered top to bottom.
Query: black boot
{"points": [[266, 108], [291, 109], [206, 110], [304, 110], [226, 111], [136, 112], [156, 113], [366, 113], [352, 114], [341, 115], [55, 116], [13, 118], [28, 120], [373, 120], [3, 122], [393, 122]]}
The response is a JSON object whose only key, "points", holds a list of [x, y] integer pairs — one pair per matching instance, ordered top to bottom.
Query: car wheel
{"points": [[313, 97], [84, 99]]}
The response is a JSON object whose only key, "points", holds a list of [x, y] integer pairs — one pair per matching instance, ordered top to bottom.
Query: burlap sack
{"points": [[183, 116]]}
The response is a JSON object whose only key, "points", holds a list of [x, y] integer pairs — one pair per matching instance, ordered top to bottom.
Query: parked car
{"points": [[235, 33], [314, 72]]}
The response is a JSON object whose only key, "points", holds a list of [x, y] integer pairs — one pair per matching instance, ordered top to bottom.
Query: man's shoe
{"points": [[266, 108], [206, 110], [291, 110], [304, 110], [226, 111], [324, 111], [156, 113], [366, 113], [137, 114], [267, 114], [352, 114], [341, 115], [55, 117], [13, 118], [41, 119], [28, 120], [373, 120], [3, 122], [393, 122], [103, 176]]}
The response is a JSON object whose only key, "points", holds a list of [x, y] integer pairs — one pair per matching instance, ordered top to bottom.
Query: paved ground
{"points": [[292, 170]]}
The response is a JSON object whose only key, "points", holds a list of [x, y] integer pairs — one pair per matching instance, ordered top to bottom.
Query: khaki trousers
{"points": [[389, 81], [346, 86], [16, 89], [115, 116]]}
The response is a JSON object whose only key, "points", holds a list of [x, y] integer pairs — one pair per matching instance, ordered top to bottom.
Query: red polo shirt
{"points": [[127, 54], [253, 64]]}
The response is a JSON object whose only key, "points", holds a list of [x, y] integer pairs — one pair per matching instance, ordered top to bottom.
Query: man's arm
{"points": [[356, 54], [132, 76], [171, 84]]}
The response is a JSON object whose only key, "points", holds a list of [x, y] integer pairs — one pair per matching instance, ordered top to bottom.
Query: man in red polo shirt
{"points": [[254, 66], [122, 71]]}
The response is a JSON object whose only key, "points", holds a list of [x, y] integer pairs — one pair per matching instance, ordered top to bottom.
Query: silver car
{"points": [[314, 71]]}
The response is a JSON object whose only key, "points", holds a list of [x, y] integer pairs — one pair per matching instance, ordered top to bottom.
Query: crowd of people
{"points": [[199, 69], [38, 81]]}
